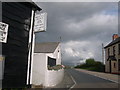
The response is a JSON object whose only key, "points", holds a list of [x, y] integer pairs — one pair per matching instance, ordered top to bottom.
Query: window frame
{"points": [[119, 48], [114, 50], [114, 65]]}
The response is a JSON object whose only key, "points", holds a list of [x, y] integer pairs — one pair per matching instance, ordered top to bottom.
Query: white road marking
{"points": [[73, 84]]}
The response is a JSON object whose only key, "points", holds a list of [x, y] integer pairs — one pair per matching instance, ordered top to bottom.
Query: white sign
{"points": [[40, 22], [3, 32]]}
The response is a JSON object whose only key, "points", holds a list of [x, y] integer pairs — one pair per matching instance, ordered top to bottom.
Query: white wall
{"points": [[56, 55], [39, 69], [41, 75], [54, 77]]}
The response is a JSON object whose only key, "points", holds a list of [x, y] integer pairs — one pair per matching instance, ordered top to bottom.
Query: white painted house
{"points": [[46, 54]]}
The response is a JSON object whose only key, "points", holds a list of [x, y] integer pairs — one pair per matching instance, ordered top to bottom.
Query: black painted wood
{"points": [[16, 49]]}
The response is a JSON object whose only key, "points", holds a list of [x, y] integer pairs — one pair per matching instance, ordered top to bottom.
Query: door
{"points": [[119, 65], [110, 66]]}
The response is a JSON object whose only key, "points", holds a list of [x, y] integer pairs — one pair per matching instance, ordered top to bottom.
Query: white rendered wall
{"points": [[50, 55], [56, 55], [39, 69], [41, 75], [54, 77]]}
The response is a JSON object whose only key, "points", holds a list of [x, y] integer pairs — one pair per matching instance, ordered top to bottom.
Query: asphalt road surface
{"points": [[84, 80]]}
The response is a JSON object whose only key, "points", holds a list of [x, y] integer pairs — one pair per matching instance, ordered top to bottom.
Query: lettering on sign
{"points": [[40, 22], [3, 32]]}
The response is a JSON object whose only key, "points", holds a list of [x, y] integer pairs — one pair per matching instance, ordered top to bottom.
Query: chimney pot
{"points": [[115, 36]]}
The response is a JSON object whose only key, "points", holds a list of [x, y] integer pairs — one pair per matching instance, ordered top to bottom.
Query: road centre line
{"points": [[73, 81]]}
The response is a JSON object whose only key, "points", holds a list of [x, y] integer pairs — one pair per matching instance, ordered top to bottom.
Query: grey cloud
{"points": [[61, 16]]}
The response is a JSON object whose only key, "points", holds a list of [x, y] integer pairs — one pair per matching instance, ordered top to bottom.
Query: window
{"points": [[118, 48], [114, 50], [58, 54], [51, 61], [114, 65]]}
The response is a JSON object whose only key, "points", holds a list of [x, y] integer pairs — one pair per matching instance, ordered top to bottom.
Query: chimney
{"points": [[115, 36]]}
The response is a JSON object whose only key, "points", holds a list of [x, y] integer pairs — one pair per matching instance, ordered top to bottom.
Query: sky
{"points": [[82, 26]]}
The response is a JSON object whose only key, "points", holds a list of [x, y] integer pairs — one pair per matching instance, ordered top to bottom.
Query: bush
{"points": [[92, 65], [99, 67]]}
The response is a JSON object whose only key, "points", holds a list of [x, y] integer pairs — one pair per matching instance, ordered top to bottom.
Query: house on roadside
{"points": [[17, 50], [46, 54], [112, 55]]}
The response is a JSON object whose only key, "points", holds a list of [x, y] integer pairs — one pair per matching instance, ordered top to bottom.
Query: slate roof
{"points": [[29, 3], [113, 42], [48, 47]]}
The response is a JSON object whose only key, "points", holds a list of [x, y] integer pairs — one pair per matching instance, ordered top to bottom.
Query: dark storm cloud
{"points": [[61, 15], [83, 27]]}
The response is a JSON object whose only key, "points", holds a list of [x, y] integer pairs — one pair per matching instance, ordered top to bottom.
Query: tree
{"points": [[90, 62], [92, 65]]}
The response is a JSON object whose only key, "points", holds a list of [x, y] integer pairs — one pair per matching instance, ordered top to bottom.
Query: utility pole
{"points": [[60, 39], [102, 53]]}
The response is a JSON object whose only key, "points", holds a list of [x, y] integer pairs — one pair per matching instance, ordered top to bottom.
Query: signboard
{"points": [[40, 22], [3, 32]]}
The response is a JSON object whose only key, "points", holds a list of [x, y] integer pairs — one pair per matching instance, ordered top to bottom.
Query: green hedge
{"points": [[92, 65]]}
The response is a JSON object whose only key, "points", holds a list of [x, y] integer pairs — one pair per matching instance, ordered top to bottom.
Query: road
{"points": [[84, 80]]}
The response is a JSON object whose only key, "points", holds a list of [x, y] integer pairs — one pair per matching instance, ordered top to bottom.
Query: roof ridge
{"points": [[113, 42]]}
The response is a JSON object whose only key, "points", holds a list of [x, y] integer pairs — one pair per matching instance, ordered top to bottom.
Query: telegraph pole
{"points": [[102, 53]]}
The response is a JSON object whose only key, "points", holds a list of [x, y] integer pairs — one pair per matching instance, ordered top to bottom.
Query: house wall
{"points": [[17, 16], [56, 54], [117, 56], [107, 65], [114, 68], [39, 69], [107, 69], [41, 75], [54, 77]]}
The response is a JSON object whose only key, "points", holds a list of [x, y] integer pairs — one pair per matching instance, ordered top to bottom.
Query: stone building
{"points": [[112, 55]]}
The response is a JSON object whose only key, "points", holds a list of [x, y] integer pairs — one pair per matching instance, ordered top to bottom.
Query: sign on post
{"points": [[40, 22], [3, 32]]}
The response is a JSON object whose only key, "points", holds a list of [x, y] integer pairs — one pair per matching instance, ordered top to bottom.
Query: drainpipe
{"points": [[31, 44]]}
